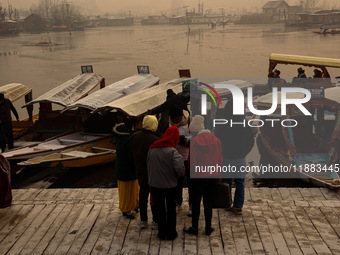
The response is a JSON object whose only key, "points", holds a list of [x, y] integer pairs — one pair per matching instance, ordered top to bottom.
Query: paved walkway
{"points": [[88, 221]]}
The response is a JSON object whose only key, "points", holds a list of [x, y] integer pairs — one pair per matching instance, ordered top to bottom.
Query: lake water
{"points": [[235, 51], [238, 51]]}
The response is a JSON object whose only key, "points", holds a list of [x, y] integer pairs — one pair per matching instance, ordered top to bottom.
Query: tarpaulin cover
{"points": [[14, 91], [70, 91], [115, 91], [146, 99], [5, 183]]}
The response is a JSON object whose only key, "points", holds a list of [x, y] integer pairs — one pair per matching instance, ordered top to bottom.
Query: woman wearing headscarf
{"points": [[180, 119], [139, 147], [205, 151], [165, 166], [127, 182]]}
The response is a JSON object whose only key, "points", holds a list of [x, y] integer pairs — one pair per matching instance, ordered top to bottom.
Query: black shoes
{"points": [[129, 215], [191, 231], [208, 231]]}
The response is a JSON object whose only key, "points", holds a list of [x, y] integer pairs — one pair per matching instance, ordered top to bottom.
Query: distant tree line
{"points": [[313, 5], [57, 12], [9, 13]]}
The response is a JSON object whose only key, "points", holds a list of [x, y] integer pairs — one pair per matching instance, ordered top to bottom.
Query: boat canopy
{"points": [[303, 60], [241, 84], [15, 91], [70, 91], [115, 91], [141, 101]]}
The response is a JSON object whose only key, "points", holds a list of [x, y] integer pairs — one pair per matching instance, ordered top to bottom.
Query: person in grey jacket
{"points": [[165, 166]]}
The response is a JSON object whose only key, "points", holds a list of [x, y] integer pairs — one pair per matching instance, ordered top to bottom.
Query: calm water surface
{"points": [[233, 51]]}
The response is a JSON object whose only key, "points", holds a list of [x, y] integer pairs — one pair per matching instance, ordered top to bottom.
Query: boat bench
{"points": [[68, 141], [77, 154]]}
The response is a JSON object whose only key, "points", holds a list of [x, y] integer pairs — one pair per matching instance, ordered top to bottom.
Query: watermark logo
{"points": [[239, 99]]}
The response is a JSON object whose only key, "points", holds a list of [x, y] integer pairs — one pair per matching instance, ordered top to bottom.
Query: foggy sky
{"points": [[156, 6]]}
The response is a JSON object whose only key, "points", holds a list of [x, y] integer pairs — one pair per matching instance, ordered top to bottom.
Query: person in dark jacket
{"points": [[301, 73], [172, 99], [180, 119], [6, 128], [237, 141], [139, 147], [205, 150], [165, 166], [127, 183]]}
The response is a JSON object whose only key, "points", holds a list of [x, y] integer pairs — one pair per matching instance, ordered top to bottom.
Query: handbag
{"points": [[221, 195]]}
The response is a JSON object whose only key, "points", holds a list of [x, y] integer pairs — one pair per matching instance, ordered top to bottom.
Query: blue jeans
{"points": [[239, 181]]}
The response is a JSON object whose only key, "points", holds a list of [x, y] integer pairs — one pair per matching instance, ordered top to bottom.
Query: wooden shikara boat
{"points": [[328, 32], [296, 60], [120, 89], [14, 92], [51, 121], [54, 145], [310, 149], [93, 154]]}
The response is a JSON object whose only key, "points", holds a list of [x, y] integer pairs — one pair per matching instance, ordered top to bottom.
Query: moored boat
{"points": [[285, 59], [120, 89], [15, 92], [140, 101], [51, 121], [54, 145], [306, 146], [93, 154]]}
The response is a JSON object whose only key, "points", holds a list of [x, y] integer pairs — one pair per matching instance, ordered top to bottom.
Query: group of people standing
{"points": [[152, 162]]}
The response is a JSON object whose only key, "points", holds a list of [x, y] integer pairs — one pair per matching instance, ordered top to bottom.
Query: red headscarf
{"points": [[169, 139]]}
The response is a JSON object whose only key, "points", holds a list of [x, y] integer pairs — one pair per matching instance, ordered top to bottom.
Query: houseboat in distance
{"points": [[199, 17], [321, 19], [110, 20], [155, 20], [9, 27]]}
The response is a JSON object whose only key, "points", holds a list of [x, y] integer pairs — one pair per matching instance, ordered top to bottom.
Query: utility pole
{"points": [[187, 14], [68, 18]]}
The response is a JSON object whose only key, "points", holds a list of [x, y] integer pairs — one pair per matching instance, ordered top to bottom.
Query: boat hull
{"points": [[54, 146], [93, 154], [280, 159]]}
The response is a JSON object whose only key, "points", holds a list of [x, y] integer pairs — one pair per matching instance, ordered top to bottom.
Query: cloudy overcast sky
{"points": [[154, 6]]}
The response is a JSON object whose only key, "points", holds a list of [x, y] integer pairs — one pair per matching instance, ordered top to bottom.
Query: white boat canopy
{"points": [[304, 60], [241, 84], [15, 91], [70, 91], [115, 91], [148, 99], [141, 101]]}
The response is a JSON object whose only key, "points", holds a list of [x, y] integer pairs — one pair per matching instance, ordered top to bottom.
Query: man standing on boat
{"points": [[6, 129]]}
